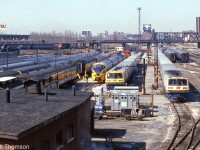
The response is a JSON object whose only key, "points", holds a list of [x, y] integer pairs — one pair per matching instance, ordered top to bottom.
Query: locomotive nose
{"points": [[97, 79]]}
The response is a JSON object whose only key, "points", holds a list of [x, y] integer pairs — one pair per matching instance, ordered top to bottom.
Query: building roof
{"points": [[4, 79], [27, 113]]}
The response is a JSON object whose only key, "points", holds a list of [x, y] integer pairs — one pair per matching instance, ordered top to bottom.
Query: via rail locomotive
{"points": [[99, 69], [120, 74], [176, 85]]}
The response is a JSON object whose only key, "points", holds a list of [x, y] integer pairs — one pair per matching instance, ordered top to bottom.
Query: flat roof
{"points": [[4, 79], [27, 113]]}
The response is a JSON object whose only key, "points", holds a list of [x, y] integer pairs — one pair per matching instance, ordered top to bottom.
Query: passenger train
{"points": [[171, 55], [181, 55], [99, 69], [59, 74], [120, 74], [176, 85]]}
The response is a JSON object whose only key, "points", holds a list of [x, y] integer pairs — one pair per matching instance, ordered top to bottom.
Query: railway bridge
{"points": [[155, 37]]}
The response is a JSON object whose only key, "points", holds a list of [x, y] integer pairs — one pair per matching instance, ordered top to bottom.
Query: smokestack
{"points": [[74, 90], [46, 94], [7, 95]]}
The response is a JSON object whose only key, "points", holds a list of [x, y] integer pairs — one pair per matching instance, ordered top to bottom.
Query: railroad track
{"points": [[89, 88], [186, 131], [195, 138]]}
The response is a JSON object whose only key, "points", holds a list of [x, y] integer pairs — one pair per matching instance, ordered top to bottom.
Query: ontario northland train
{"points": [[99, 69], [120, 74], [176, 85]]}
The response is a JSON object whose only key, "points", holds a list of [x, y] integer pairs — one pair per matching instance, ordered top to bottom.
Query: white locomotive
{"points": [[176, 85]]}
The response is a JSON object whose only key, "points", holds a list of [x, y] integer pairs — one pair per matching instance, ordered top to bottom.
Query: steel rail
{"points": [[177, 128], [191, 138]]}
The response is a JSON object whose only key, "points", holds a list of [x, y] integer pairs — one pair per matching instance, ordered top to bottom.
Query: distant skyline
{"points": [[25, 16]]}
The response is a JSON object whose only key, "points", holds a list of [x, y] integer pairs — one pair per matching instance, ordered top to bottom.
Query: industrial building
{"points": [[56, 119]]}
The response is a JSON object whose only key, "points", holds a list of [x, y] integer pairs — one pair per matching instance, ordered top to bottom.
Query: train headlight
{"points": [[185, 88]]}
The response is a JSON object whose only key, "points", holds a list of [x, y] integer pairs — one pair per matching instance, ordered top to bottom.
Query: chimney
{"points": [[74, 90], [46, 94], [7, 95]]}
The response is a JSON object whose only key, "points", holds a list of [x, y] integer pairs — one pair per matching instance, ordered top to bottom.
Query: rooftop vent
{"points": [[32, 87]]}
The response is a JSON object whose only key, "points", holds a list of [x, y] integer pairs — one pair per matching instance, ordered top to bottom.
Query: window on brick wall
{"points": [[70, 134], [59, 144], [44, 145]]}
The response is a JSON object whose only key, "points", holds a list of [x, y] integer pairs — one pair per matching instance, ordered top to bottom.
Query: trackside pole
{"points": [[144, 74]]}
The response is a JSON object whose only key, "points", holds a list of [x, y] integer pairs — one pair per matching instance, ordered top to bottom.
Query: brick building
{"points": [[31, 122]]}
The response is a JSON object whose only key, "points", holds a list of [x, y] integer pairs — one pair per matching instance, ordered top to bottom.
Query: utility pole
{"points": [[139, 24], [37, 56], [7, 57], [144, 75]]}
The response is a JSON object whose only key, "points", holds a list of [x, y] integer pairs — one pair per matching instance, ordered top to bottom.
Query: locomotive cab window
{"points": [[98, 68], [114, 75], [172, 82], [177, 82], [182, 82]]}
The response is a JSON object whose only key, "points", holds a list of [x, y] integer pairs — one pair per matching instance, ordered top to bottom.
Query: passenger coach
{"points": [[120, 74]]}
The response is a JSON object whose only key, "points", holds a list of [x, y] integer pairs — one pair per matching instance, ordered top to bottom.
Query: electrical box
{"points": [[125, 97]]}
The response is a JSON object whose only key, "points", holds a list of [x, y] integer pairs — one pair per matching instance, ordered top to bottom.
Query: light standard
{"points": [[2, 49], [70, 52], [7, 56], [37, 56], [55, 58]]}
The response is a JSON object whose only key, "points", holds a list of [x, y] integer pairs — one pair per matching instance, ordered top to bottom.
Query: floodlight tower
{"points": [[139, 23]]}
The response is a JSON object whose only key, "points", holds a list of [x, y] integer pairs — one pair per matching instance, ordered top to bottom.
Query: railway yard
{"points": [[160, 111], [169, 126]]}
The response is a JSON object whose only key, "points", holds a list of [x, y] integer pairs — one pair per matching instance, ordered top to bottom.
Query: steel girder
{"points": [[175, 37]]}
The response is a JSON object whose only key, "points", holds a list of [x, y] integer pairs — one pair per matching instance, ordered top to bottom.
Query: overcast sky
{"points": [[25, 16]]}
